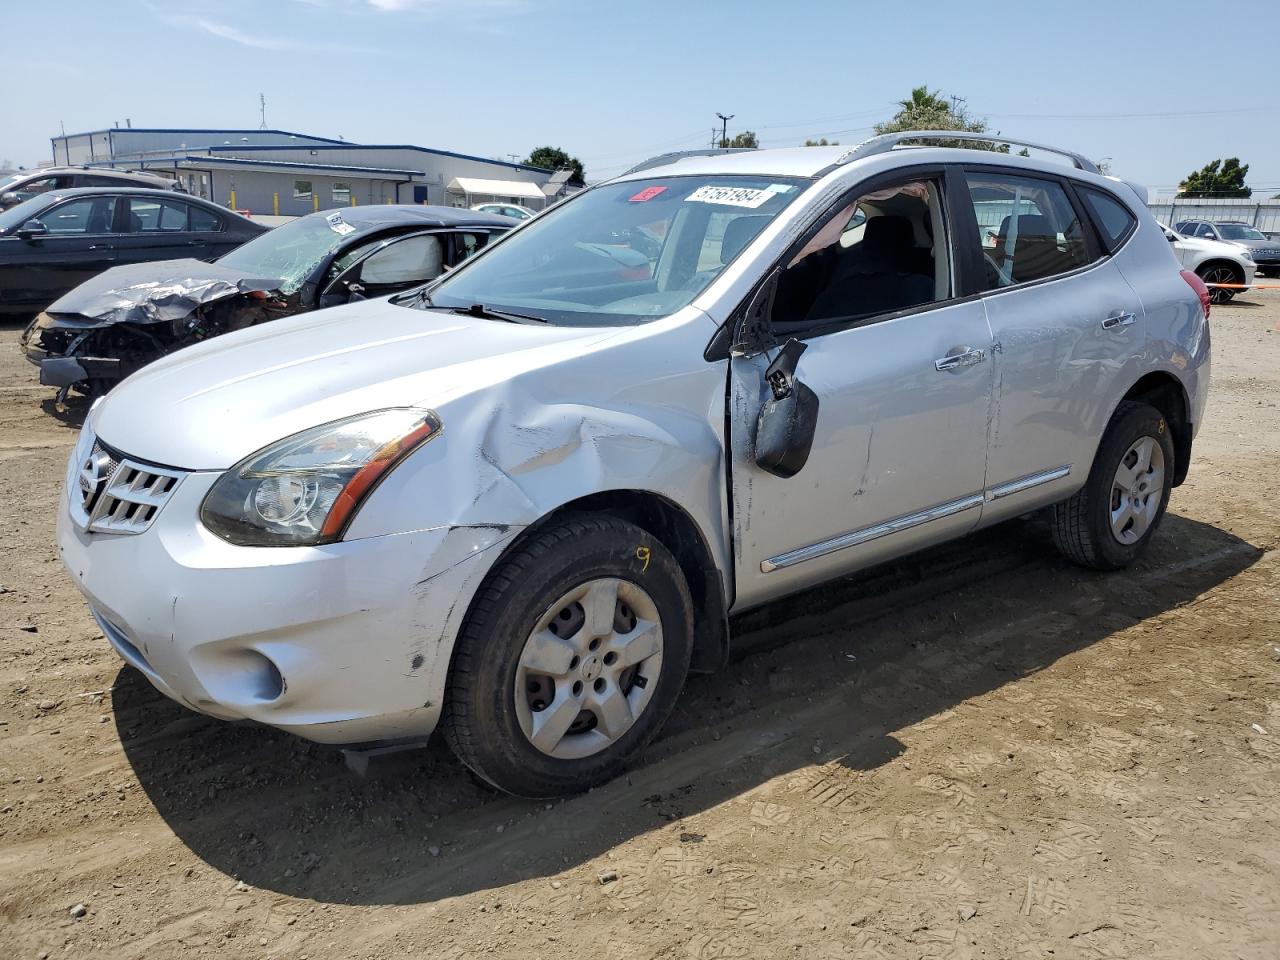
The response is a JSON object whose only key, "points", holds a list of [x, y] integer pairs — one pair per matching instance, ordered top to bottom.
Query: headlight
{"points": [[1247, 254], [305, 489]]}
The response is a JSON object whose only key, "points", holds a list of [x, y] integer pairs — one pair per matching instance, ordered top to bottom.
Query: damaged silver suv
{"points": [[520, 503]]}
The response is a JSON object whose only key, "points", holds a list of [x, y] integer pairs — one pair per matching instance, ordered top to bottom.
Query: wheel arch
{"points": [[1215, 261], [1167, 394], [676, 529]]}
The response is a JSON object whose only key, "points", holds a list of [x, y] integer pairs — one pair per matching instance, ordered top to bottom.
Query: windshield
{"points": [[1238, 231], [291, 252], [620, 254]]}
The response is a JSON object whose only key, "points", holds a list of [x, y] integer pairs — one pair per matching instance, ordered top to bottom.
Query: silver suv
{"points": [[521, 502]]}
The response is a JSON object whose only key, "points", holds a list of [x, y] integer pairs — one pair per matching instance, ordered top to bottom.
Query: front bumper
{"points": [[344, 644]]}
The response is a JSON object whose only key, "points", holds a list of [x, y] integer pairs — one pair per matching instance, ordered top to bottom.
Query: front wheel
{"points": [[1109, 522], [571, 658]]}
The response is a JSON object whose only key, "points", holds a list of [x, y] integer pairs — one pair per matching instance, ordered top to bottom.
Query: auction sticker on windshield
{"points": [[648, 193], [731, 196], [338, 225]]}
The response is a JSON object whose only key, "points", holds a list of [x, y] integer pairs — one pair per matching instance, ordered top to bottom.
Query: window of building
{"points": [[302, 189], [342, 193], [1027, 227]]}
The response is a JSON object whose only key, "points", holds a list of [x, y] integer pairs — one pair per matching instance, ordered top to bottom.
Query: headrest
{"points": [[1030, 225], [739, 232], [888, 233]]}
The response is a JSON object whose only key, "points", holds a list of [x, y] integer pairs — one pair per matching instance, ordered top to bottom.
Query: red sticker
{"points": [[648, 193]]}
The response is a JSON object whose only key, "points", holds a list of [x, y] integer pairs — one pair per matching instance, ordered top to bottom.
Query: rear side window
{"points": [[156, 216], [1113, 218], [204, 221], [1027, 227]]}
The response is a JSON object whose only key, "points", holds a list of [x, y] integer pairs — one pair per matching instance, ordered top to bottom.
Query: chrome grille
{"points": [[118, 495]]}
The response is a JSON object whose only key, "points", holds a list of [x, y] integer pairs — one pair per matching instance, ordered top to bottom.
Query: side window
{"points": [[34, 188], [85, 215], [156, 216], [1113, 218], [203, 221], [1027, 227], [1206, 231], [469, 243], [877, 253], [412, 260]]}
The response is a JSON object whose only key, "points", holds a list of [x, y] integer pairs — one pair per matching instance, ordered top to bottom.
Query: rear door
{"points": [[156, 228], [79, 244], [1068, 332]]}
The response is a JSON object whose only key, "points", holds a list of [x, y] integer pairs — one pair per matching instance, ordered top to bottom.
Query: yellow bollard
{"points": [[233, 199], [353, 199], [315, 201], [275, 204]]}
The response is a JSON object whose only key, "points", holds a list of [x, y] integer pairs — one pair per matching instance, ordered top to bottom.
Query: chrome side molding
{"points": [[1026, 483], [867, 534]]}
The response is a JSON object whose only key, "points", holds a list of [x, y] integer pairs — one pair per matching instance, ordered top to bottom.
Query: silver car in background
{"points": [[1225, 268], [521, 502]]}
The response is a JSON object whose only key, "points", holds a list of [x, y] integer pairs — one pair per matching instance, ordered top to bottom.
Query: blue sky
{"points": [[1147, 84]]}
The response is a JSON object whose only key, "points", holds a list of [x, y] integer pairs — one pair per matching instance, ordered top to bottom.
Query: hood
{"points": [[154, 292], [209, 406]]}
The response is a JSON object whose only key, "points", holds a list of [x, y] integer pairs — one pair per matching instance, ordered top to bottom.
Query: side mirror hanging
{"points": [[788, 419]]}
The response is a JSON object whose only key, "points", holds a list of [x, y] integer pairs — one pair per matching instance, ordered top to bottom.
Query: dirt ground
{"points": [[982, 752]]}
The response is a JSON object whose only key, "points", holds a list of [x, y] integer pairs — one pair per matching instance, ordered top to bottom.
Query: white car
{"points": [[512, 210], [1214, 262], [521, 502]]}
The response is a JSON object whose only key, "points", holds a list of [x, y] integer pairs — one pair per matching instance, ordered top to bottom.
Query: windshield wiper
{"points": [[485, 313]]}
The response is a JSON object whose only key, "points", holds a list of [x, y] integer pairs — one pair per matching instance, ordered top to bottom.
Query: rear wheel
{"points": [[1220, 273], [1109, 522], [571, 658]]}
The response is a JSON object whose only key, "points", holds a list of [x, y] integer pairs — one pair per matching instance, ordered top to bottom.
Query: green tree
{"points": [[928, 109], [744, 139], [824, 142], [553, 158], [1217, 179]]}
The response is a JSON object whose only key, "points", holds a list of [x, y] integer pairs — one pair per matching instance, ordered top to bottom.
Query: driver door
{"points": [[900, 363]]}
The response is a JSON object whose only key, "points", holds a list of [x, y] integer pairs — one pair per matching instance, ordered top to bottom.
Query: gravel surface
{"points": [[978, 752]]}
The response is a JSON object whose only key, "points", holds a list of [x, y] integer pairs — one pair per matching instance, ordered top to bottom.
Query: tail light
{"points": [[1196, 284]]}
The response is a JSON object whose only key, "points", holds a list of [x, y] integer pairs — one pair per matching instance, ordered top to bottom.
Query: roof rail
{"points": [[887, 141], [665, 158]]}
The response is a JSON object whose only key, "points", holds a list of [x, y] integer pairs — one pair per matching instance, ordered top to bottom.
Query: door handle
{"points": [[195, 243], [98, 246], [1119, 320], [957, 360]]}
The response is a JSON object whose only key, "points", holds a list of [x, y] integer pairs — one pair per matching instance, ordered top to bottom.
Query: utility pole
{"points": [[262, 108], [724, 127]]}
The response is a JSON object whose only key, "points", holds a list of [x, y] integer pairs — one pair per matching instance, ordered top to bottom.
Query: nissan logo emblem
{"points": [[93, 473]]}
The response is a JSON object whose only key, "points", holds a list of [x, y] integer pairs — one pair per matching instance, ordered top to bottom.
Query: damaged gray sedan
{"points": [[125, 318]]}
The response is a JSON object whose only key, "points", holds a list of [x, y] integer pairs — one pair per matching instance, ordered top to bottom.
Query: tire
{"points": [[1219, 272], [1083, 528], [513, 683]]}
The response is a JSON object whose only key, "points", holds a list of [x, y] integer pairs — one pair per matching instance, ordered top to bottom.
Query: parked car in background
{"points": [[25, 184], [513, 210], [54, 242], [1265, 251], [1214, 262], [128, 316], [522, 501]]}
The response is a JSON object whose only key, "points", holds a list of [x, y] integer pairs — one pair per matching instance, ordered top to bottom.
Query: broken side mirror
{"points": [[9, 199], [31, 229], [788, 419]]}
